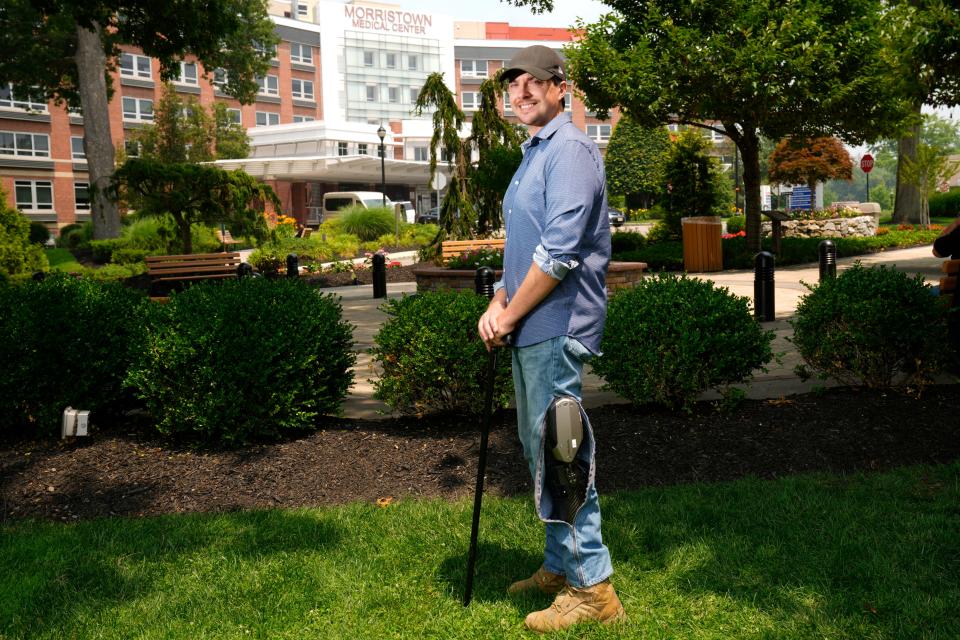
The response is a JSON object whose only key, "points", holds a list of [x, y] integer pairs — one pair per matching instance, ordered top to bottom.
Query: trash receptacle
{"points": [[701, 244]]}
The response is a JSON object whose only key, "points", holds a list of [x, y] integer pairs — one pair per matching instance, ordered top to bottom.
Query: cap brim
{"points": [[536, 72]]}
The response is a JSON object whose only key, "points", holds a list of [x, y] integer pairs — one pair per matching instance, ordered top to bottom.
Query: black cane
{"points": [[483, 282]]}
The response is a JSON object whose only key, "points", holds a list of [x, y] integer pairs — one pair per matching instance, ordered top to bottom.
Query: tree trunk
{"points": [[97, 142], [749, 145], [906, 208], [186, 238]]}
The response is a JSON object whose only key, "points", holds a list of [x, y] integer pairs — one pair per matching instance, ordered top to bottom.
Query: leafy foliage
{"points": [[798, 161], [635, 162], [926, 171], [692, 185], [945, 204], [368, 224], [18, 255], [476, 258], [876, 327], [670, 338], [66, 341], [431, 358], [244, 359]]}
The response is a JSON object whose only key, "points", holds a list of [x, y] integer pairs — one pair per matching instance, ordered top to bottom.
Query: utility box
{"points": [[75, 422]]}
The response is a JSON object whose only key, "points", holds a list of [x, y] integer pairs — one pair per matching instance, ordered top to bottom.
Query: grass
{"points": [[63, 260], [815, 556]]}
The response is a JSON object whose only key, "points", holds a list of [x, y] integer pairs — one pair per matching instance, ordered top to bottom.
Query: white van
{"points": [[335, 201]]}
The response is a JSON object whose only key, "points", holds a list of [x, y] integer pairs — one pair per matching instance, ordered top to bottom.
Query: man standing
{"points": [[551, 301]]}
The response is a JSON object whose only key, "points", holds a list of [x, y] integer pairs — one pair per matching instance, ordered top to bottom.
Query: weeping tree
{"points": [[481, 164]]}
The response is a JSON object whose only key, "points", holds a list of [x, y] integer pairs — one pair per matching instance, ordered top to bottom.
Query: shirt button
{"points": [[516, 182], [509, 210]]}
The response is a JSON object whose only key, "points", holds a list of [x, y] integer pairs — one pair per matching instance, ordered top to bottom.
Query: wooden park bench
{"points": [[225, 238], [453, 248], [167, 273], [948, 283]]}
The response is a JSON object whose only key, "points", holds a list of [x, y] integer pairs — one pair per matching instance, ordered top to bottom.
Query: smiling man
{"points": [[552, 302]]}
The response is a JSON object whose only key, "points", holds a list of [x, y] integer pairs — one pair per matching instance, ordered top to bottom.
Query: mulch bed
{"points": [[126, 470]]}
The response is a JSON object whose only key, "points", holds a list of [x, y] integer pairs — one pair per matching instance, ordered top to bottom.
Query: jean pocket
{"points": [[576, 350]]}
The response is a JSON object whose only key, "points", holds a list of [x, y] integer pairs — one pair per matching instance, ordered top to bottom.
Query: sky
{"points": [[565, 12]]}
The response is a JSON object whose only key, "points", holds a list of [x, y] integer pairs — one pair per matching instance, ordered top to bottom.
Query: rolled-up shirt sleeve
{"points": [[556, 268]]}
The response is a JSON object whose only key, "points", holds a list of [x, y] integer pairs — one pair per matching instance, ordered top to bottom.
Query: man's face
{"points": [[535, 102]]}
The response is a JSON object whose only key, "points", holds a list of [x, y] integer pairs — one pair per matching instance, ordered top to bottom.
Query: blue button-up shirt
{"points": [[556, 217]]}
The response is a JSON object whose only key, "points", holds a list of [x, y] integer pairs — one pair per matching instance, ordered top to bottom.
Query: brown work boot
{"points": [[543, 580], [572, 605]]}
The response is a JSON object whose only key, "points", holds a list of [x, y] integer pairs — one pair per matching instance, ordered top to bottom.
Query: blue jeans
{"points": [[542, 372]]}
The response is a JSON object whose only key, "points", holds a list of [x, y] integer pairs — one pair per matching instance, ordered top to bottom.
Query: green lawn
{"points": [[62, 260], [818, 556]]}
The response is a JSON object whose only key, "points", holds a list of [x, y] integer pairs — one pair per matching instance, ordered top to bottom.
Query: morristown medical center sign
{"points": [[387, 20]]}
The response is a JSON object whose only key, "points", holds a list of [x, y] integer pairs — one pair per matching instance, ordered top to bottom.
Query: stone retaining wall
{"points": [[832, 228], [430, 277]]}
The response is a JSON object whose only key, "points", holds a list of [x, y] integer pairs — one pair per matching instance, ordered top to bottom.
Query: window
{"points": [[301, 10], [262, 49], [302, 53], [368, 58], [391, 60], [413, 63], [135, 66], [473, 68], [188, 73], [219, 78], [269, 86], [303, 89], [371, 93], [393, 94], [414, 94], [8, 99], [470, 100], [568, 101], [137, 109], [507, 110], [234, 115], [267, 118], [303, 118], [599, 132], [31, 145], [76, 148], [131, 148], [362, 148], [342, 149], [420, 154], [34, 195], [81, 196]]}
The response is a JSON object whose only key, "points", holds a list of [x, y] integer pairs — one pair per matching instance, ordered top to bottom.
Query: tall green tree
{"points": [[63, 50], [923, 55], [746, 68], [183, 130], [635, 161], [481, 164], [926, 171], [695, 184], [196, 194]]}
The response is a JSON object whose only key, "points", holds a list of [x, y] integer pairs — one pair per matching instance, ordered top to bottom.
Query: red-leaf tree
{"points": [[799, 161]]}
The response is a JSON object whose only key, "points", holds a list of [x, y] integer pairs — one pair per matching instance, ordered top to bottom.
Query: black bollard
{"points": [[827, 251], [293, 266], [244, 270], [38, 276], [379, 276], [763, 301]]}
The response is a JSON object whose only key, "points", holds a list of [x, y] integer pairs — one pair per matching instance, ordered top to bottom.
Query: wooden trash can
{"points": [[702, 250]]}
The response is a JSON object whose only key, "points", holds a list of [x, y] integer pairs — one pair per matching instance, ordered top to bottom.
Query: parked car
{"points": [[334, 201], [430, 216], [616, 217]]}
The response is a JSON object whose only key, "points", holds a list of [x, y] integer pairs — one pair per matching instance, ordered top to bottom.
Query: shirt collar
{"points": [[548, 129]]}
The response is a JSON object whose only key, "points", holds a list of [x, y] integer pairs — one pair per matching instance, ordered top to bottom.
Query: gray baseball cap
{"points": [[543, 63]]}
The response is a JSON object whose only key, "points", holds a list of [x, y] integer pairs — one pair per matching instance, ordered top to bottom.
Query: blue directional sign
{"points": [[800, 198]]}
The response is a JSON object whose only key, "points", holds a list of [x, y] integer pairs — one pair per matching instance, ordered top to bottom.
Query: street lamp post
{"points": [[383, 167]]}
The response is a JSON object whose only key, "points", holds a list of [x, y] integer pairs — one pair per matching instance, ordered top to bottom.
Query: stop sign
{"points": [[866, 163]]}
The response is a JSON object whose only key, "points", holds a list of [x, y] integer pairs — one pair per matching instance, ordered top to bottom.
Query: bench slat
{"points": [[950, 266]]}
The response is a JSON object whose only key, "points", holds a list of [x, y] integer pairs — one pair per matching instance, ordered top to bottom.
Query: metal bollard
{"points": [[827, 251], [293, 266], [244, 270], [379, 276], [763, 297]]}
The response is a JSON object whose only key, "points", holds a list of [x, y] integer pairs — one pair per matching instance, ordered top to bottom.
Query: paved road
{"points": [[362, 311]]}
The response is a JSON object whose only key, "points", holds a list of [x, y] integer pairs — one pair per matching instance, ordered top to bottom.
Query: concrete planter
{"points": [[859, 227], [430, 277]]}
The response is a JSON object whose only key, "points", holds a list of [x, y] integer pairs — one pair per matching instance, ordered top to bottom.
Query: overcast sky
{"points": [[564, 14]]}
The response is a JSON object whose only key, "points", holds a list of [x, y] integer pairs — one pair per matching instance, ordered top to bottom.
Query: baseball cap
{"points": [[543, 63]]}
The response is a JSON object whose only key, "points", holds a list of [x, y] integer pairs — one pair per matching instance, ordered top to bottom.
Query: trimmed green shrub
{"points": [[945, 204], [367, 224], [736, 224], [65, 231], [39, 233], [623, 241], [102, 250], [18, 256], [268, 259], [875, 327], [669, 338], [66, 341], [244, 359], [432, 359]]}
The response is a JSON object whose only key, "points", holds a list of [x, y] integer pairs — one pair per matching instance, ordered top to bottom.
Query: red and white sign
{"points": [[866, 163]]}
